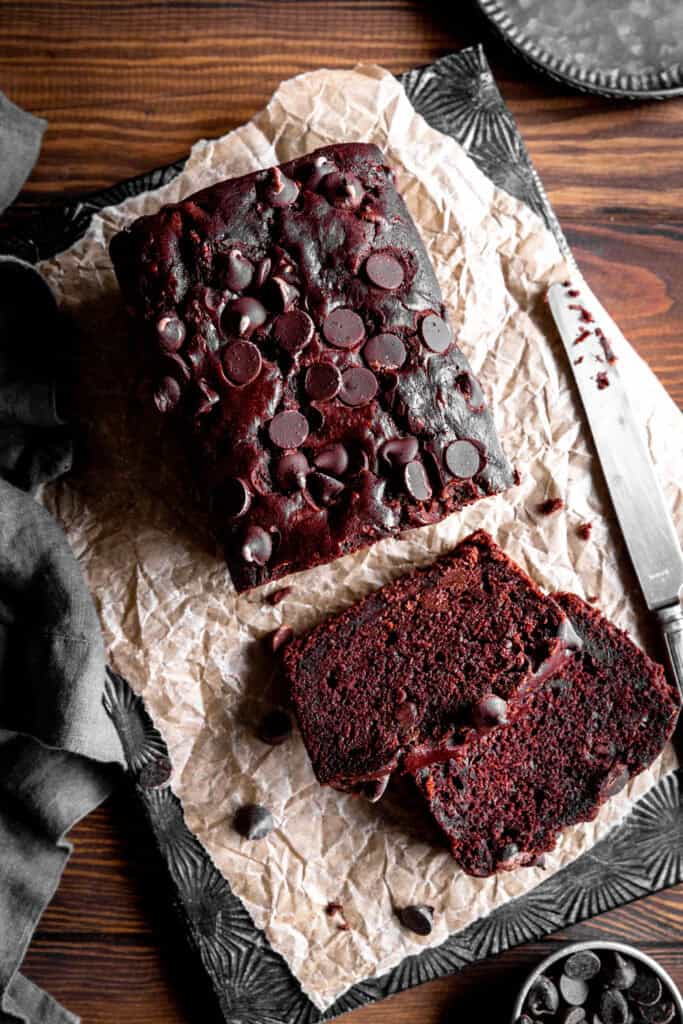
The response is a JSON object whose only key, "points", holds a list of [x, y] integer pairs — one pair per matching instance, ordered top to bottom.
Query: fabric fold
{"points": [[59, 752]]}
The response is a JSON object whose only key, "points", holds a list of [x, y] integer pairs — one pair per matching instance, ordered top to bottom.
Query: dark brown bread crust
{"points": [[295, 323]]}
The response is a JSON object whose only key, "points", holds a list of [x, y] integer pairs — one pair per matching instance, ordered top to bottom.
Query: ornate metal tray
{"points": [[628, 49], [252, 983]]}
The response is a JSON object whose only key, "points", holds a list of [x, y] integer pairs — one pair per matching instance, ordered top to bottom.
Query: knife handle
{"points": [[671, 624]]}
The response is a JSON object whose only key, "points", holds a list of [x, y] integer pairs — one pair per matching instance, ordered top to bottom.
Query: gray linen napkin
{"points": [[58, 749]]}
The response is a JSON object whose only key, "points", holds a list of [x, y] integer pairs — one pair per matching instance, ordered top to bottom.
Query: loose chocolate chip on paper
{"points": [[280, 594], [275, 728], [155, 774], [253, 821], [418, 918]]}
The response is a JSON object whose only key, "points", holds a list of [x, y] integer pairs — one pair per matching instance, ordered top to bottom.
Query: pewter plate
{"points": [[628, 49], [252, 984]]}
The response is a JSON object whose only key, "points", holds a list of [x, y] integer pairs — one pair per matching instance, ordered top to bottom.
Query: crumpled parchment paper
{"points": [[172, 622]]}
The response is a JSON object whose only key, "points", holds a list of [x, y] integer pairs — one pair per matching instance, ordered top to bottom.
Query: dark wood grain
{"points": [[129, 85]]}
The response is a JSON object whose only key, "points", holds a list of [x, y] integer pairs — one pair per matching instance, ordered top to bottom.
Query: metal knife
{"points": [[645, 521]]}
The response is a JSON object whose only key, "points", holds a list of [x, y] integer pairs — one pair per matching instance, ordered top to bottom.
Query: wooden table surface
{"points": [[127, 86]]}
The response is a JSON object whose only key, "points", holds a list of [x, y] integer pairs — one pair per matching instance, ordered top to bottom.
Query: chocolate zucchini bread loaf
{"points": [[294, 321], [515, 713]]}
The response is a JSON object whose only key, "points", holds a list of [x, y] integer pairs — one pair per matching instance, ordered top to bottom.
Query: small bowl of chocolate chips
{"points": [[599, 983]]}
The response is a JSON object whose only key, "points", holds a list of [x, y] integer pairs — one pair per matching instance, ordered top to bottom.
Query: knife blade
{"points": [[619, 437]]}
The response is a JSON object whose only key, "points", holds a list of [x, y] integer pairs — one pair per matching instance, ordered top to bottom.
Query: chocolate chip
{"points": [[320, 169], [342, 189], [280, 191], [263, 268], [238, 271], [384, 271], [281, 294], [212, 299], [244, 315], [343, 328], [293, 330], [171, 333], [435, 333], [384, 351], [242, 362], [322, 382], [359, 386], [470, 388], [167, 395], [208, 400], [288, 429], [399, 450], [334, 459], [462, 459], [291, 472], [416, 482], [325, 489], [233, 497], [257, 546], [281, 593], [280, 637], [489, 712], [275, 728], [155, 774], [374, 789], [253, 821], [418, 918], [583, 965], [622, 972], [646, 989], [574, 990], [543, 998], [613, 1007], [662, 1013], [573, 1015]]}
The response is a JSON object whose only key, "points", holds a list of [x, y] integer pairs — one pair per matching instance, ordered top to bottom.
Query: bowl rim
{"points": [[597, 944]]}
